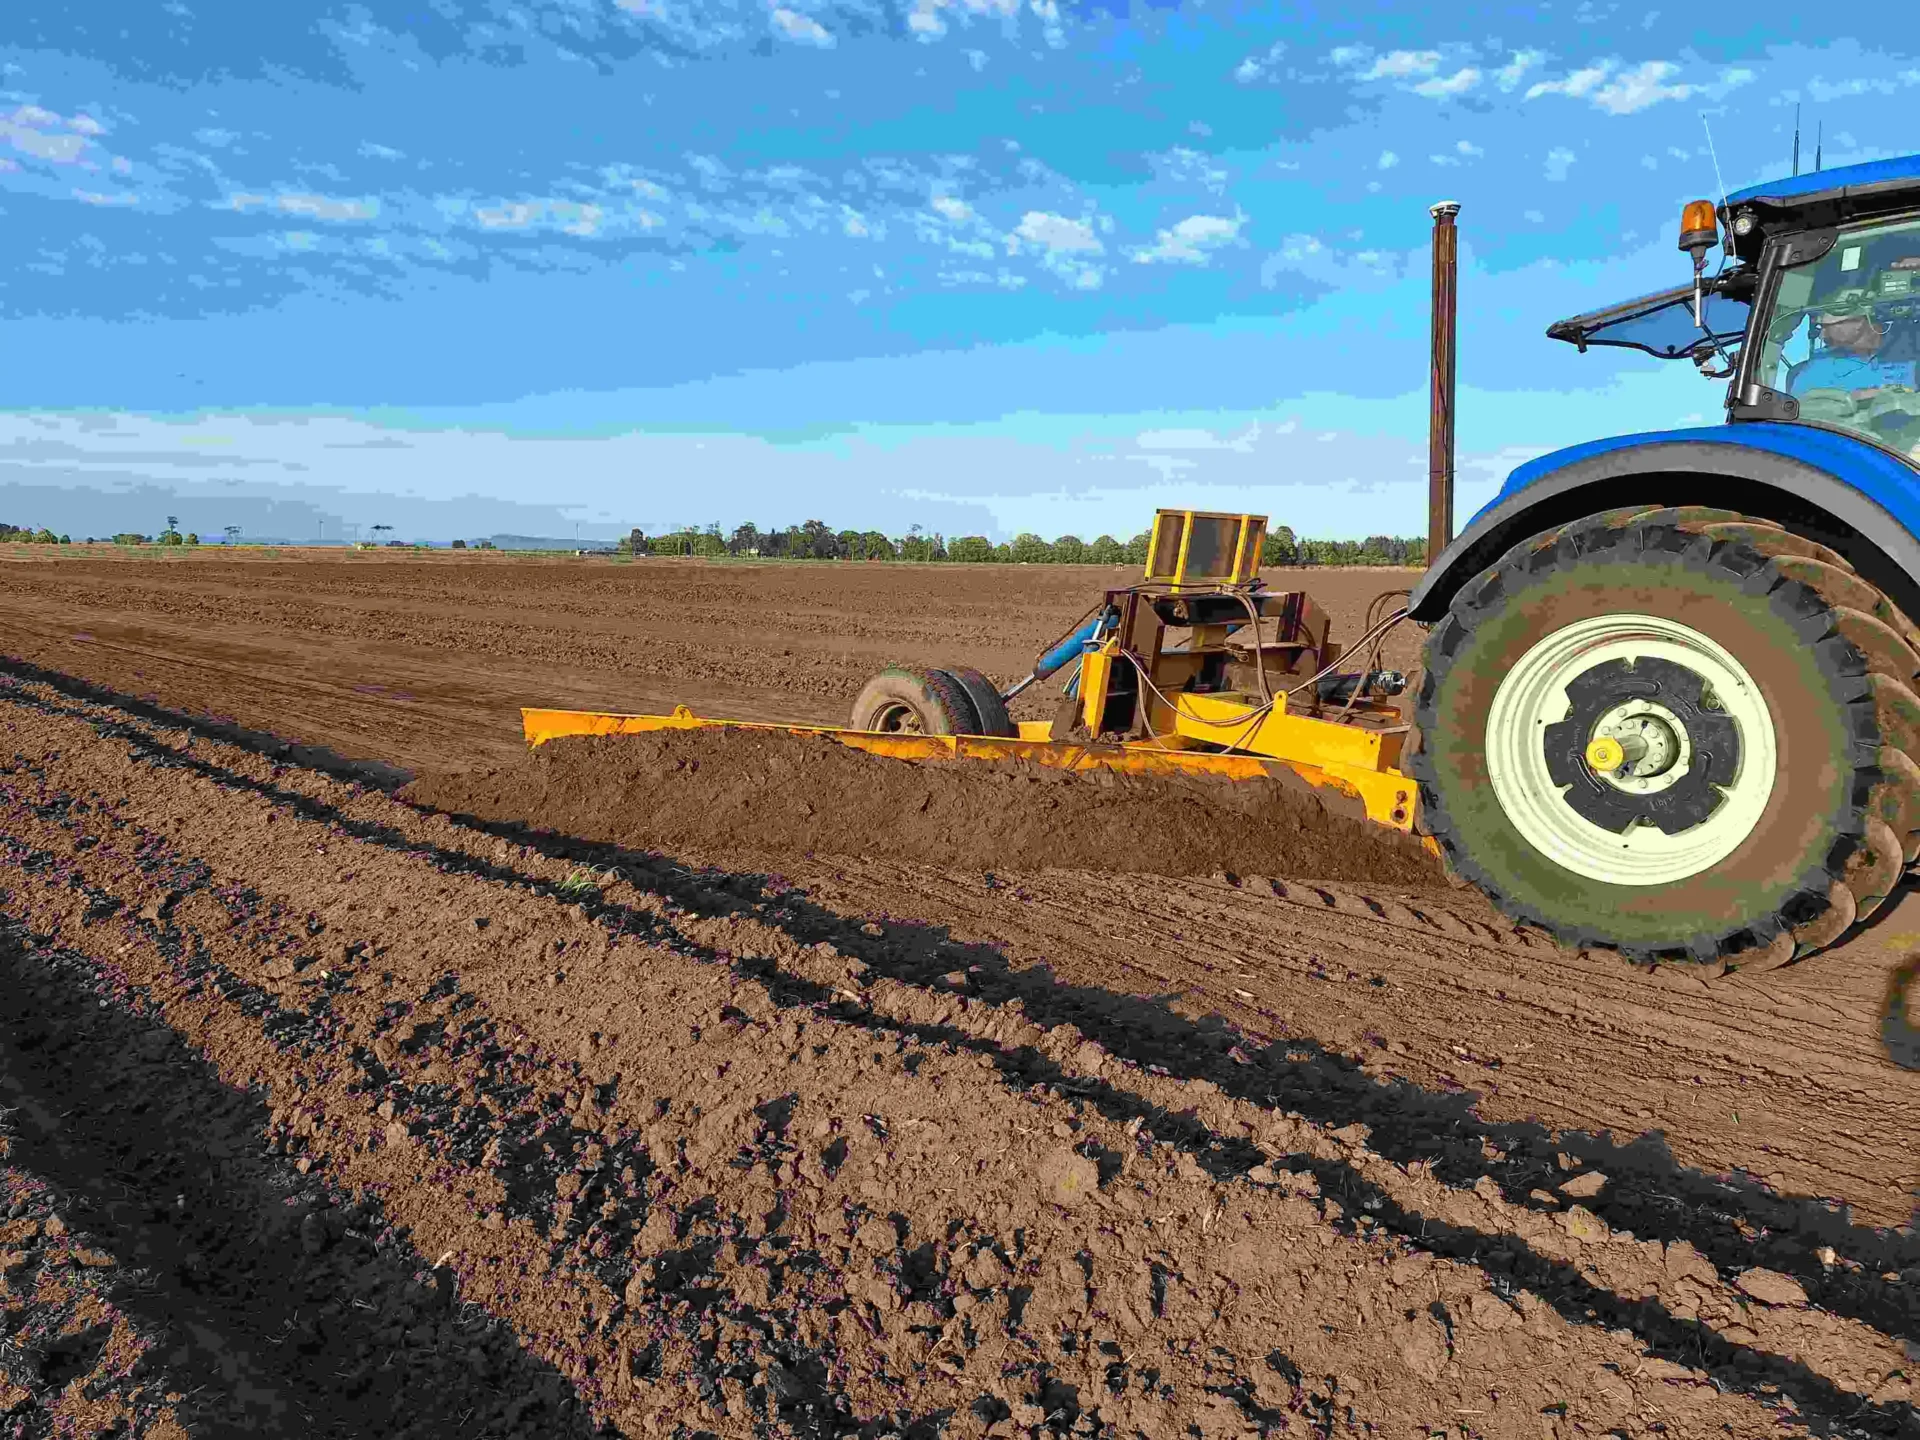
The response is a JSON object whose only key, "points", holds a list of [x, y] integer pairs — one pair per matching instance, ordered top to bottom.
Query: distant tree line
{"points": [[815, 540]]}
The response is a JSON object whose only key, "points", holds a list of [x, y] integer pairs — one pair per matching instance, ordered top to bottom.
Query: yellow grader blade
{"points": [[1349, 761]]}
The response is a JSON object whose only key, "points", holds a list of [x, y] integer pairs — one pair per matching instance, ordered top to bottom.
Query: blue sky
{"points": [[980, 265]]}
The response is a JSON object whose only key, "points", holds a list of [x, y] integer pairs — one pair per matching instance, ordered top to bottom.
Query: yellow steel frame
{"points": [[1251, 529]]}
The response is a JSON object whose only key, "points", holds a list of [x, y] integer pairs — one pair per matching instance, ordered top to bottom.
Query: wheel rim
{"points": [[899, 719], [1693, 793]]}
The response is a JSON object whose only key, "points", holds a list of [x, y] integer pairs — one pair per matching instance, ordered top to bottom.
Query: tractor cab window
{"points": [[1663, 324], [1844, 338]]}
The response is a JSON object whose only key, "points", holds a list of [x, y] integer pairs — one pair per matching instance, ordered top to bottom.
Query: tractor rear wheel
{"points": [[915, 700], [1662, 733]]}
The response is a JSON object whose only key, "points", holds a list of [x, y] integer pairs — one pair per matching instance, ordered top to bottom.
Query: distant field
{"points": [[418, 657]]}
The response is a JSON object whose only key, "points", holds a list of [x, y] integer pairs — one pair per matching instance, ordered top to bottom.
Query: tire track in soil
{"points": [[1421, 988], [1572, 1290], [279, 1306]]}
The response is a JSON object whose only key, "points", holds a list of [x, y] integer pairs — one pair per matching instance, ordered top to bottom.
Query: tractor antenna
{"points": [[1796, 139], [1819, 145], [1726, 210]]}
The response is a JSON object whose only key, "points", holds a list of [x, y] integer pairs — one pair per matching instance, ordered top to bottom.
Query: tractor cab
{"points": [[1814, 312]]}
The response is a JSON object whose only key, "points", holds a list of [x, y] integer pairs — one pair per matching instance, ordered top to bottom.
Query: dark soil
{"points": [[744, 793], [728, 1163]]}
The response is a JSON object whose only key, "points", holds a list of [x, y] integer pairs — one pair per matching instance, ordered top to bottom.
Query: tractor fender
{"points": [[1827, 485]]}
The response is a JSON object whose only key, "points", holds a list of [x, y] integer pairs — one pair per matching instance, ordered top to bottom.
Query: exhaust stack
{"points": [[1446, 277]]}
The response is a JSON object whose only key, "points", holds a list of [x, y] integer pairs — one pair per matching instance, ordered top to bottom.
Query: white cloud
{"points": [[801, 29], [1345, 55], [976, 58], [1403, 64], [1256, 67], [1515, 70], [1580, 82], [1446, 87], [1634, 90], [1627, 92], [37, 133], [1464, 150], [380, 152], [1388, 160], [1559, 160], [1647, 162], [1191, 167], [95, 197], [327, 207], [954, 209], [513, 215], [1533, 215], [568, 216], [1057, 234], [1192, 240], [1308, 255], [1003, 279], [1179, 439]]}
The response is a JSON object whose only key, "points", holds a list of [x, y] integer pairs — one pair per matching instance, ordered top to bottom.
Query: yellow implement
{"points": [[1197, 670], [1386, 793]]}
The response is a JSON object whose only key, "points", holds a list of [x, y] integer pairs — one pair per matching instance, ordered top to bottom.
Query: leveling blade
{"points": [[1381, 793]]}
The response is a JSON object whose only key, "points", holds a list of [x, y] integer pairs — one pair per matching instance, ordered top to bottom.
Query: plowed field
{"points": [[333, 1107]]}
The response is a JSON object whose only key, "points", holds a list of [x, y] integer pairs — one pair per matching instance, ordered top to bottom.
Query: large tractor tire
{"points": [[915, 700], [1678, 733]]}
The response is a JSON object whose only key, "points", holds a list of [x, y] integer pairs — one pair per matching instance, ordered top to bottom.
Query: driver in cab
{"points": [[1860, 356]]}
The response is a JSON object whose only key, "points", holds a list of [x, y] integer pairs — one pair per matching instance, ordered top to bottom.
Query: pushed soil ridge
{"points": [[707, 793]]}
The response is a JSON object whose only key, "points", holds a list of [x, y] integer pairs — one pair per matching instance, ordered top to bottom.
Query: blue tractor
{"points": [[1671, 700]]}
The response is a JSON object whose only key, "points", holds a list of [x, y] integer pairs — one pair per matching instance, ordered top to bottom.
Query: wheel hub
{"points": [[1612, 751], [1676, 753]]}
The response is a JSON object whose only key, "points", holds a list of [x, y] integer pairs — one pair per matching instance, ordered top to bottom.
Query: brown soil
{"points": [[425, 662], [745, 795], [392, 1123], [732, 1155]]}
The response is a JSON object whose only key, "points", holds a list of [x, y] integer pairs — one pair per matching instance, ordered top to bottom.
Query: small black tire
{"points": [[915, 700], [990, 709], [1822, 853]]}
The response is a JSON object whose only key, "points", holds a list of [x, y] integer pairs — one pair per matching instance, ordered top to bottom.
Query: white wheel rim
{"points": [[1534, 695]]}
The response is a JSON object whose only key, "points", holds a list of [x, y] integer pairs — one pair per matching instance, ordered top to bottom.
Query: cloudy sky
{"points": [[980, 265]]}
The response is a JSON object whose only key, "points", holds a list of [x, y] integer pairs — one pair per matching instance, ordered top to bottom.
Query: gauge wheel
{"points": [[915, 700], [990, 709], [1682, 734]]}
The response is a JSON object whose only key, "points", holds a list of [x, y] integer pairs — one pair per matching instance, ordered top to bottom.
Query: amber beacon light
{"points": [[1699, 230]]}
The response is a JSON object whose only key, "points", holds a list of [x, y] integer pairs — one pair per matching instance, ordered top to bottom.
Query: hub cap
{"points": [[1631, 749]]}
